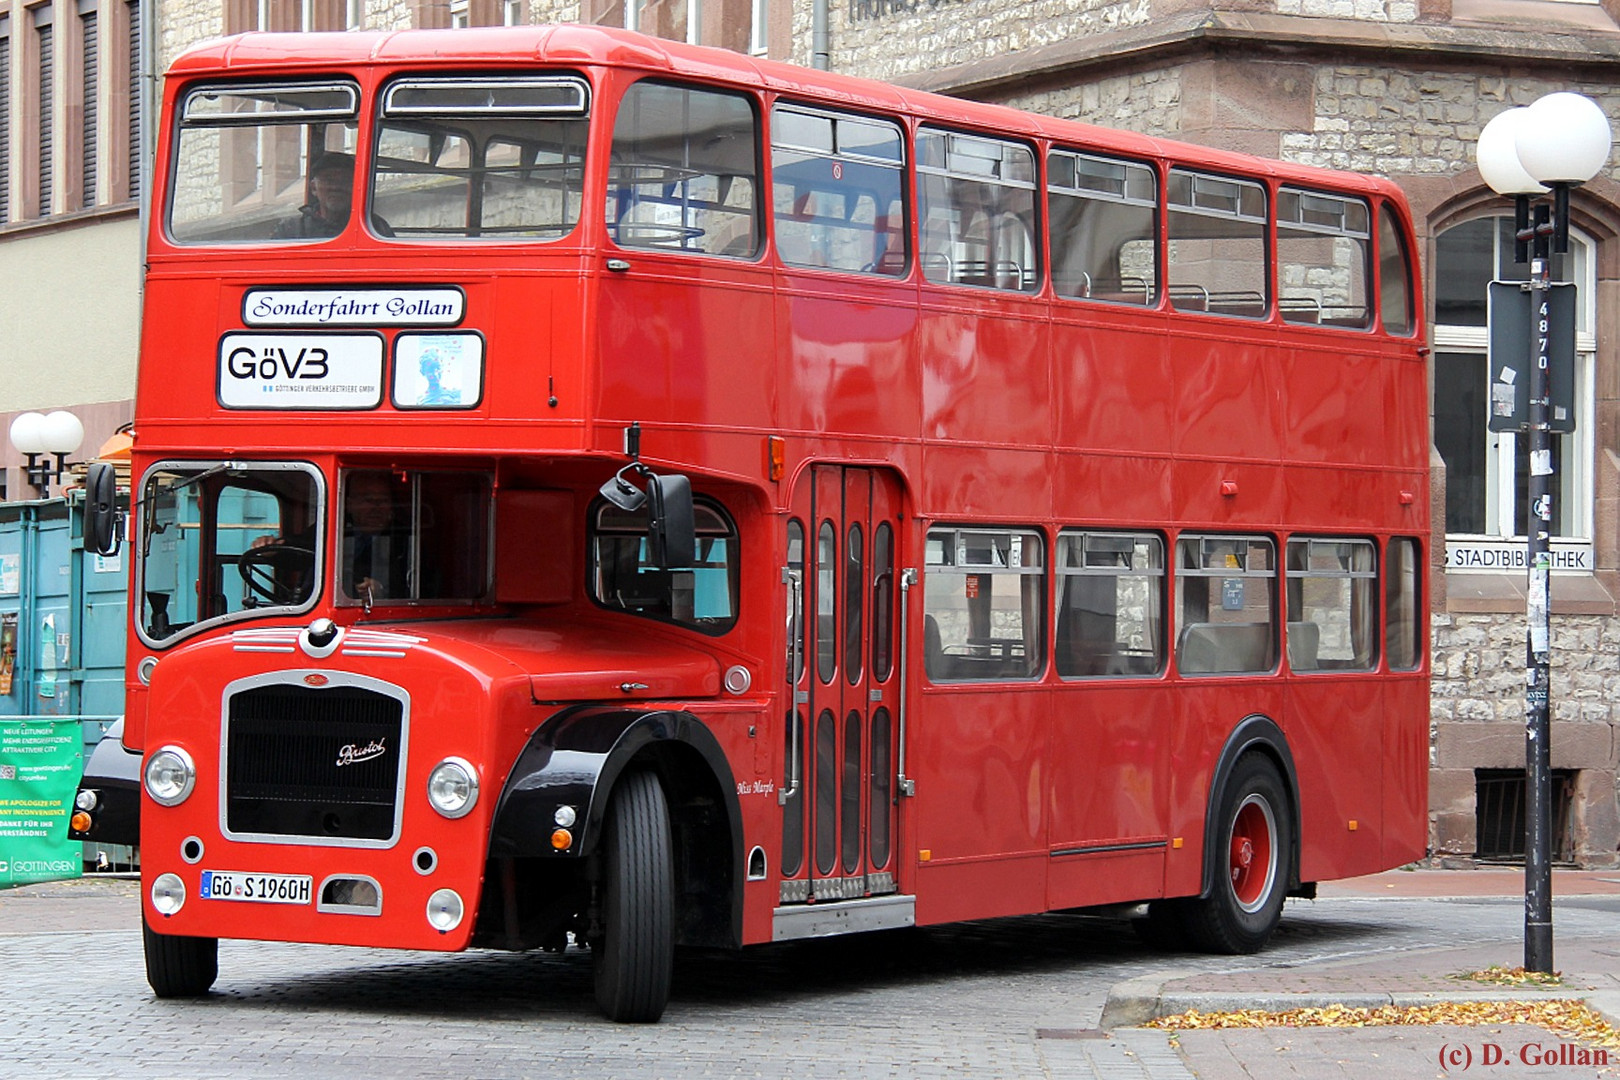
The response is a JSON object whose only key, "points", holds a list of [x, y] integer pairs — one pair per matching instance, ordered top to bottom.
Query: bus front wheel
{"points": [[1253, 841], [634, 957], [179, 967]]}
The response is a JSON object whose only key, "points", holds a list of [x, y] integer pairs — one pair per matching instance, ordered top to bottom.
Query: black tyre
{"points": [[1253, 841], [635, 956], [178, 967]]}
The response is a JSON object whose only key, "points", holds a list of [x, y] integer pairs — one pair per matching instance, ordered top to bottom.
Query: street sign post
{"points": [[1512, 361]]}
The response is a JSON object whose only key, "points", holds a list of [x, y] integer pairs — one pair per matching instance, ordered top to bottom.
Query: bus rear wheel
{"points": [[1253, 842], [633, 960], [179, 967]]}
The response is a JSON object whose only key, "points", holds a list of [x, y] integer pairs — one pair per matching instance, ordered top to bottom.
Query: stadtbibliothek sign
{"points": [[1509, 556]]}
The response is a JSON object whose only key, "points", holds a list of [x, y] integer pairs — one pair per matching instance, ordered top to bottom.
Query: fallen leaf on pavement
{"points": [[1567, 1017]]}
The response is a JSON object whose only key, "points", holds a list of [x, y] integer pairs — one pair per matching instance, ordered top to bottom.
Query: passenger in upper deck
{"points": [[331, 194]]}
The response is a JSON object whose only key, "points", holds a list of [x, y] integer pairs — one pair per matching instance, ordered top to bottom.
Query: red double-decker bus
{"points": [[595, 492]]}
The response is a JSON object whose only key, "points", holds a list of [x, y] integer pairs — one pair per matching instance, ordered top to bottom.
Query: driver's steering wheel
{"points": [[269, 572]]}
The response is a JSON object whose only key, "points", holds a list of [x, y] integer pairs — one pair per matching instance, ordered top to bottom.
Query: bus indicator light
{"points": [[775, 456]]}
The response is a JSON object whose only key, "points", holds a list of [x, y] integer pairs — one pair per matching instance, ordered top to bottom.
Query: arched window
{"points": [[1487, 472]]}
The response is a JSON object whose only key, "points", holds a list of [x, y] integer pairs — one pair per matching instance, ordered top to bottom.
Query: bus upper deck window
{"points": [[480, 158], [271, 162], [684, 174], [836, 184], [976, 211], [1104, 223], [1324, 259], [1216, 261], [1394, 276]]}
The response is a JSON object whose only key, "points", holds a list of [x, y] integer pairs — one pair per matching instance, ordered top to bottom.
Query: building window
{"points": [[515, 13], [460, 14], [283, 16], [674, 19], [759, 38], [61, 79], [90, 99], [44, 108], [5, 119], [133, 162], [1487, 475]]}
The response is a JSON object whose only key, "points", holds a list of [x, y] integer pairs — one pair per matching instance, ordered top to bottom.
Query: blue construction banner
{"points": [[41, 761]]}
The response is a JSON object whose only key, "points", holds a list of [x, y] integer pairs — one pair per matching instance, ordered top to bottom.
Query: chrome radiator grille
{"points": [[322, 763]]}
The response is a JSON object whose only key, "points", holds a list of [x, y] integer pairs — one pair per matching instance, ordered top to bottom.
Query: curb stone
{"points": [[1134, 1002]]}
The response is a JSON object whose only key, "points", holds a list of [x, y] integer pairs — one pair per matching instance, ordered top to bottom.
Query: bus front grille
{"points": [[323, 764]]}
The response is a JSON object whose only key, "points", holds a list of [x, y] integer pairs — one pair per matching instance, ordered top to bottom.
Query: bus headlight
{"points": [[170, 776], [453, 787], [168, 894], [444, 910]]}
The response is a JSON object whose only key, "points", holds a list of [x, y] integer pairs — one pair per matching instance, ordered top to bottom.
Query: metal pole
{"points": [[820, 49], [1538, 937]]}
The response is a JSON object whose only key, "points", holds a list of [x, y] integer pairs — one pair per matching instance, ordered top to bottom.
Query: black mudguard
{"points": [[1256, 732], [574, 760]]}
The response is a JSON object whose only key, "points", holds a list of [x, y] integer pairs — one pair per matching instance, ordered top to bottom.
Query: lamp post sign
{"points": [[1558, 143], [1512, 361]]}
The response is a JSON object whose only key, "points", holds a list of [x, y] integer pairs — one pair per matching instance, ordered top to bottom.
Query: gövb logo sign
{"points": [[300, 371]]}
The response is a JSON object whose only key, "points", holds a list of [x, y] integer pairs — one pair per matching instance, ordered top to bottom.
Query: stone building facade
{"points": [[1395, 87], [69, 201]]}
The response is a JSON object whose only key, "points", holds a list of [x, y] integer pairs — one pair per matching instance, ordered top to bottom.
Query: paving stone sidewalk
{"points": [[1589, 968]]}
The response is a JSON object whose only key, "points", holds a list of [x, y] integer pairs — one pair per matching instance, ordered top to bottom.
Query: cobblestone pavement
{"points": [[1010, 998]]}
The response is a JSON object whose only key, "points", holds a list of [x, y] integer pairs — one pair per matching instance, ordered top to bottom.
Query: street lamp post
{"points": [[1557, 143], [41, 437]]}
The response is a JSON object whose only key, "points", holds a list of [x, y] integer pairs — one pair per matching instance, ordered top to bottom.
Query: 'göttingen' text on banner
{"points": [[40, 764]]}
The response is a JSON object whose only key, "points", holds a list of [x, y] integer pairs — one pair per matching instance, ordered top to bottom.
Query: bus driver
{"points": [[377, 561]]}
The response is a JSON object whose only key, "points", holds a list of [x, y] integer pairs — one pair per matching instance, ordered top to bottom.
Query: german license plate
{"points": [[256, 888]]}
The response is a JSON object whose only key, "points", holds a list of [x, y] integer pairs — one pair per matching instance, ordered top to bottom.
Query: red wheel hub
{"points": [[1251, 857]]}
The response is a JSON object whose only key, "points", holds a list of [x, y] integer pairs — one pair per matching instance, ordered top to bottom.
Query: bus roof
{"points": [[598, 46]]}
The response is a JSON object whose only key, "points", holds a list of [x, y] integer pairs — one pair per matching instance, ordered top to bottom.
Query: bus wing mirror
{"points": [[621, 492], [101, 516], [671, 528]]}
